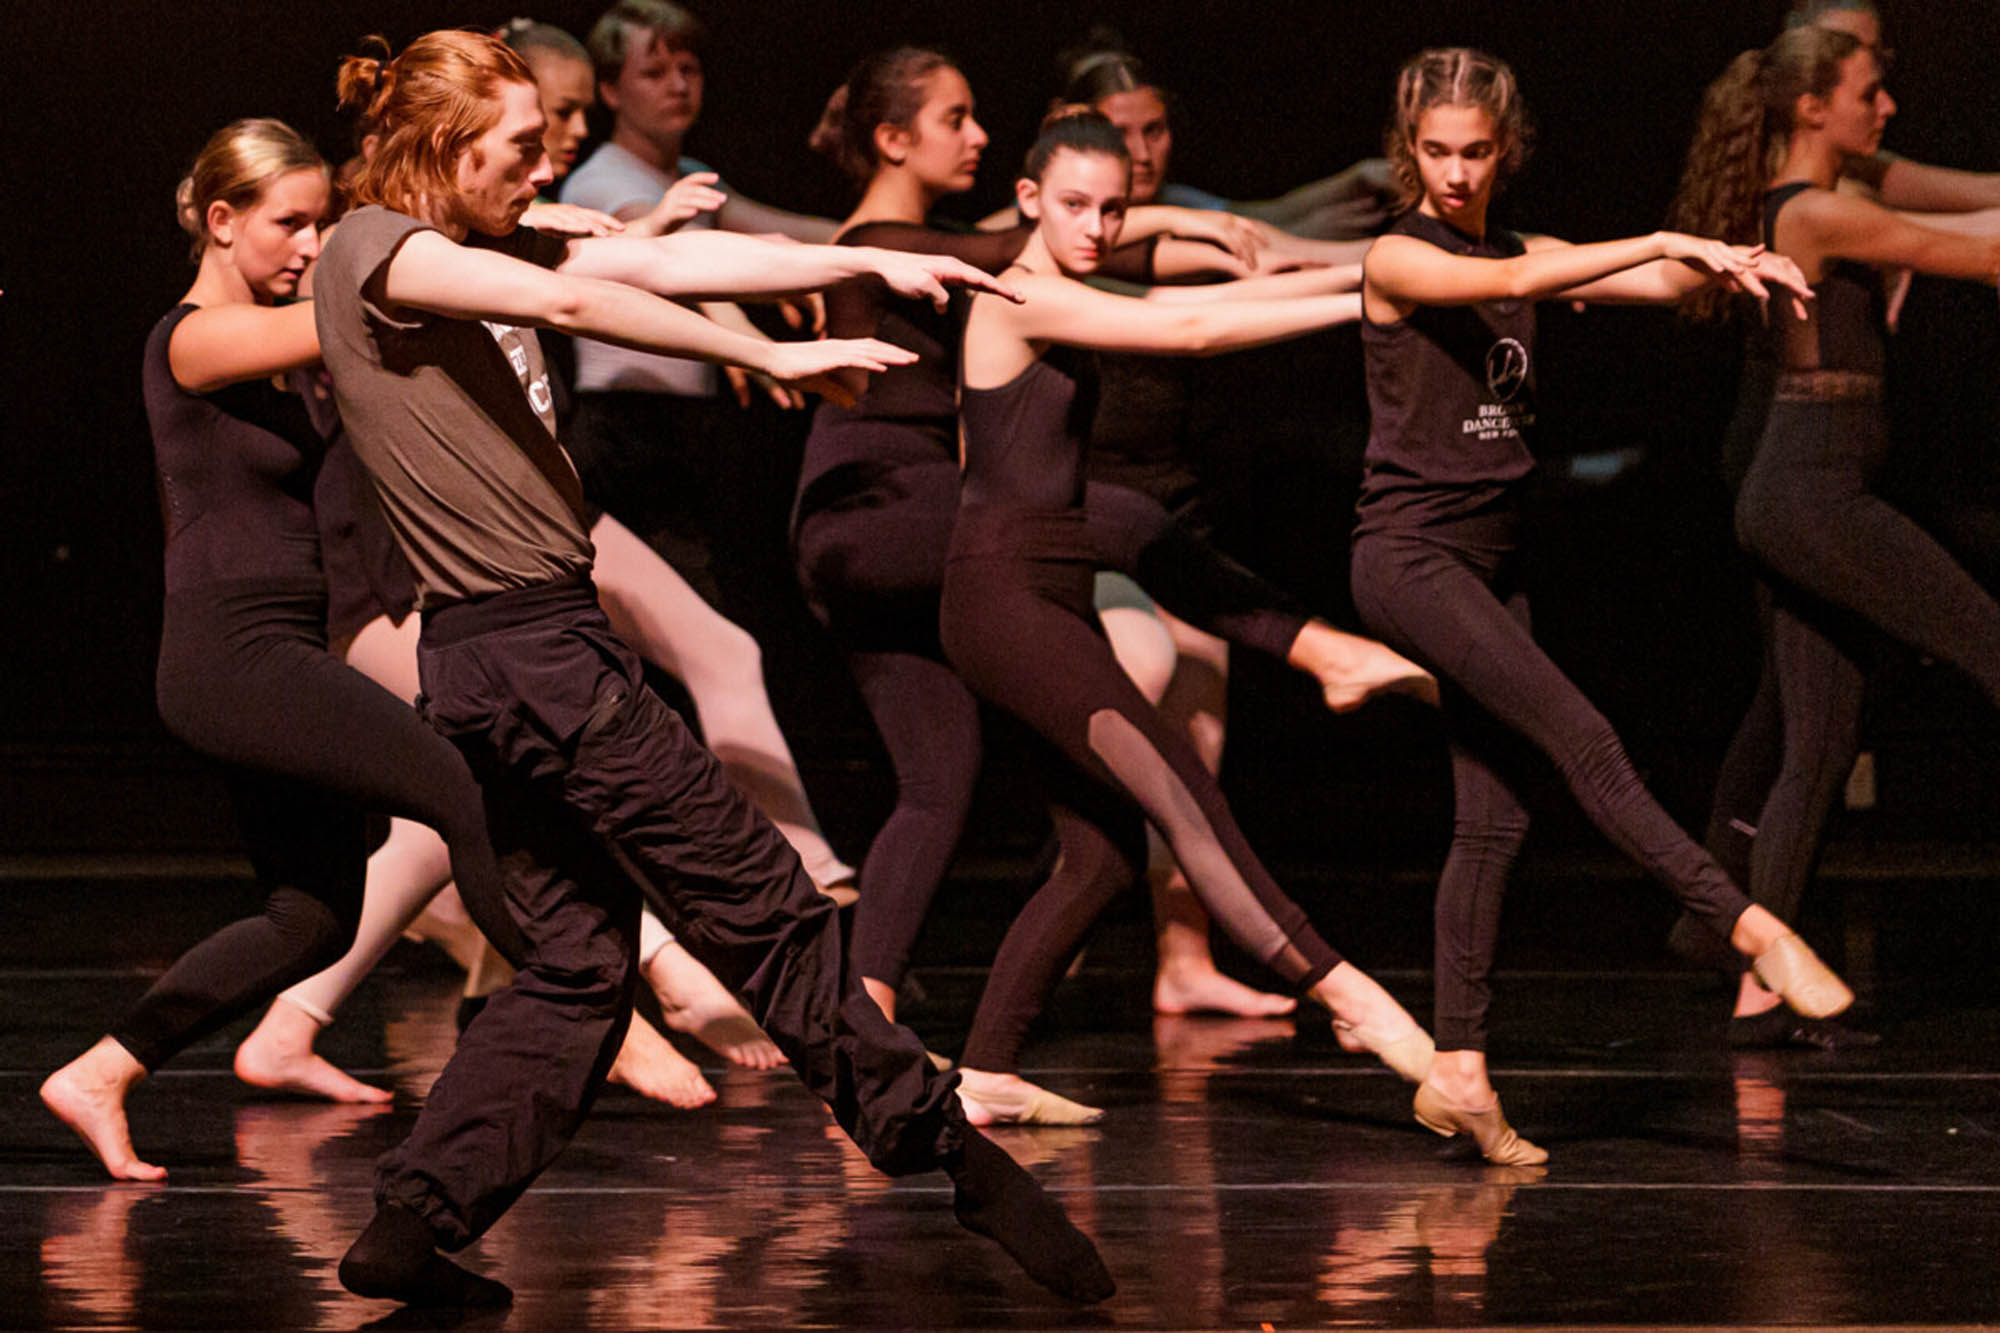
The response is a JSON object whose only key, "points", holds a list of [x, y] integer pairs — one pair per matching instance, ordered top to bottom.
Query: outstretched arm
{"points": [[1919, 187], [1352, 204], [747, 215], [1847, 227], [712, 265], [430, 272], [1404, 272], [1329, 281], [1666, 281], [1061, 310], [217, 346]]}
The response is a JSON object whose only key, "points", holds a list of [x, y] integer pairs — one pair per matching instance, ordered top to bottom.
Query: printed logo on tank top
{"points": [[524, 353], [1506, 373]]}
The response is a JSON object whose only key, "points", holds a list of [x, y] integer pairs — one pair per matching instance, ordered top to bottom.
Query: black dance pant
{"points": [[872, 563], [1844, 566], [1447, 599], [1017, 622], [307, 745], [593, 785]]}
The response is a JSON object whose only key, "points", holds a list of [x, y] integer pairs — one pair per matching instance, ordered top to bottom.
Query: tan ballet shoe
{"points": [[1792, 971], [1409, 1055], [1025, 1104], [1489, 1129]]}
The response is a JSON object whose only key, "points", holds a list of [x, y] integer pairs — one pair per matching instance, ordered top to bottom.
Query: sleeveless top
{"points": [[1845, 328], [1451, 399], [918, 403], [1027, 442], [236, 469]]}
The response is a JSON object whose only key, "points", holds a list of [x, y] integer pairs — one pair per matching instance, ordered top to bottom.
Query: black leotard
{"points": [[878, 498], [1017, 623], [245, 677]]}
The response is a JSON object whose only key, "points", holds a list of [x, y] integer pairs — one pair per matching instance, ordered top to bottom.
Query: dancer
{"points": [[1952, 200], [1348, 206], [1449, 331], [1139, 439], [653, 440], [878, 491], [1843, 563], [373, 595], [1017, 624], [307, 745], [588, 775]]}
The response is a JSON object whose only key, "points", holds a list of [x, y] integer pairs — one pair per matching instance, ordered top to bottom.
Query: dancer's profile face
{"points": [[568, 90], [658, 92], [1859, 107], [1141, 116], [942, 146], [1458, 151], [503, 169], [1078, 206], [273, 241]]}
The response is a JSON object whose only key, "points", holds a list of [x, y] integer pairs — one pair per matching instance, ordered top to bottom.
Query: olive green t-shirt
{"points": [[453, 419]]}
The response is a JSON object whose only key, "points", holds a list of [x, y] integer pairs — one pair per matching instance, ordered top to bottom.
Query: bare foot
{"points": [[1352, 670], [1382, 671], [1204, 990], [694, 1002], [1366, 1018], [279, 1055], [649, 1065], [88, 1095]]}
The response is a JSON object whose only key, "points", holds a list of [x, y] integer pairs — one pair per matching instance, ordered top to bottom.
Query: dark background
{"points": [[1640, 594]]}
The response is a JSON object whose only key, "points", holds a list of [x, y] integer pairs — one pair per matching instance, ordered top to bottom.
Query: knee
{"points": [[314, 932]]}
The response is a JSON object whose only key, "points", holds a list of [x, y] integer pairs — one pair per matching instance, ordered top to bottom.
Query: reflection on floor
{"points": [[1249, 1174]]}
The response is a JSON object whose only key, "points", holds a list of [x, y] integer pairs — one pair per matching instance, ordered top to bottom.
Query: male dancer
{"points": [[591, 782]]}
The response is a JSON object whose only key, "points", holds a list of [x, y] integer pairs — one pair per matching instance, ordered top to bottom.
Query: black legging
{"points": [[1843, 560], [872, 564], [1449, 599], [1017, 622], [308, 744]]}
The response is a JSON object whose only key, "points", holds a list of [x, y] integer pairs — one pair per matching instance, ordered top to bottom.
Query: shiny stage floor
{"points": [[1245, 1177]]}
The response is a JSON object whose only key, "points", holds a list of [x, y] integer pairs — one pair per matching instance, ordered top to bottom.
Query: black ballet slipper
{"points": [[1781, 1029], [997, 1199], [396, 1259]]}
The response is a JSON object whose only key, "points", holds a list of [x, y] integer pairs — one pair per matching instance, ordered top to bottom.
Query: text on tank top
{"points": [[1451, 397]]}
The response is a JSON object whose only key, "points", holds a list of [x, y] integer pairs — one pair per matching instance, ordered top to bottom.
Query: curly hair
{"points": [[1454, 76], [1740, 140]]}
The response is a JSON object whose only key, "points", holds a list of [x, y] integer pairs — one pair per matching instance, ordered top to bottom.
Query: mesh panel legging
{"points": [[1449, 601], [1020, 629], [307, 744]]}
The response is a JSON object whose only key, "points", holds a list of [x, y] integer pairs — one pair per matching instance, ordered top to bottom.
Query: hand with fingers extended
{"points": [[692, 194], [570, 220], [910, 274], [796, 363]]}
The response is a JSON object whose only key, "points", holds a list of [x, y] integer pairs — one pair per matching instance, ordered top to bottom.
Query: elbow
{"points": [[1517, 282], [568, 308], [1195, 336]]}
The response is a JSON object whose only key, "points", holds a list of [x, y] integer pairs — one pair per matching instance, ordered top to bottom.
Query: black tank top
{"points": [[1845, 327], [1450, 397], [1027, 441], [236, 469]]}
